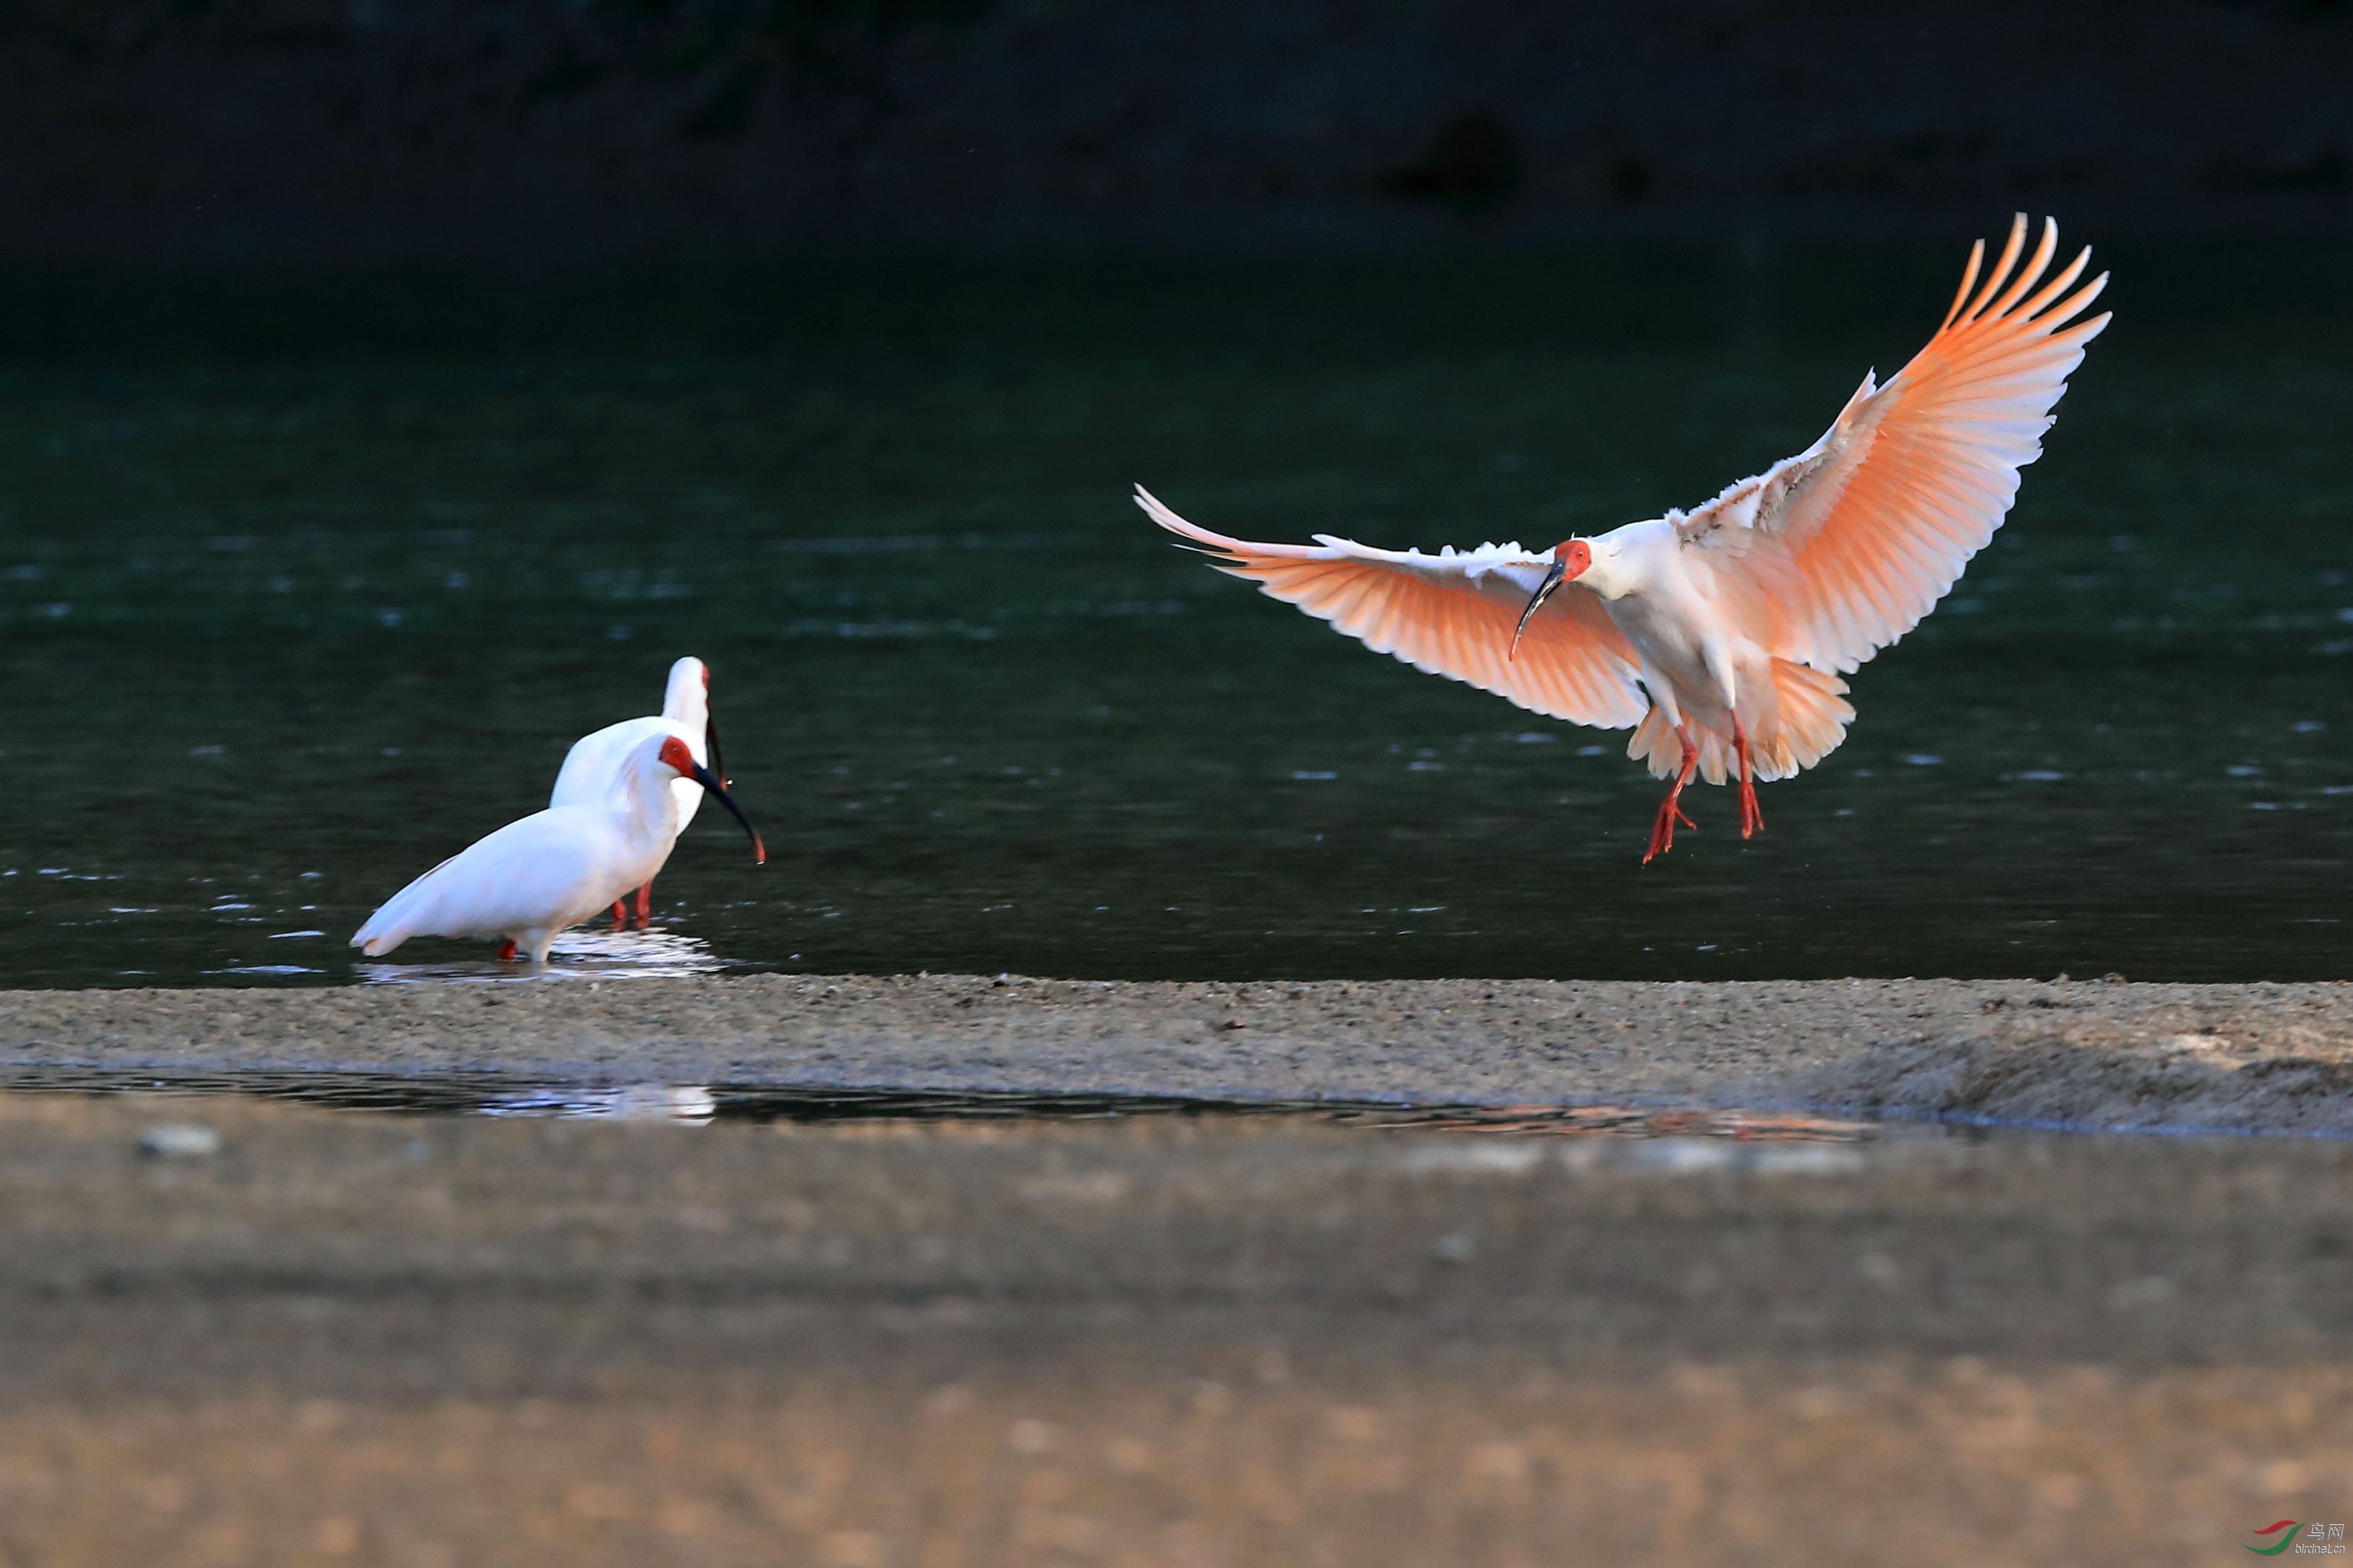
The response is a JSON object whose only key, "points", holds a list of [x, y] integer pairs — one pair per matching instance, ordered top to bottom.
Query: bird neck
{"points": [[1622, 561], [1609, 575], [687, 702], [650, 806]]}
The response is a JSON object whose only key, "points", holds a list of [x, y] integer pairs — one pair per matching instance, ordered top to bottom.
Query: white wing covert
{"points": [[1832, 555], [1449, 613]]}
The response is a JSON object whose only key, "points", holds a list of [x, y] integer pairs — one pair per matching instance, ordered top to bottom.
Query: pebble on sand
{"points": [[179, 1141]]}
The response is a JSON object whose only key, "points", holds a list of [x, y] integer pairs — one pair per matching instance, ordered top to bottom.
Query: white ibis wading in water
{"points": [[1720, 634], [598, 763], [555, 867]]}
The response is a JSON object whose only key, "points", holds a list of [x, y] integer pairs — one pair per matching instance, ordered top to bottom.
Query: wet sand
{"points": [[2234, 1058], [345, 1336]]}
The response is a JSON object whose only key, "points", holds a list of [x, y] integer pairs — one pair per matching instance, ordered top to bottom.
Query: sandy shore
{"points": [[2237, 1058], [420, 1341]]}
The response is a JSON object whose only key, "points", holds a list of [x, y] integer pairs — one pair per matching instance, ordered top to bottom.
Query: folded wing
{"points": [[1836, 553], [1449, 613]]}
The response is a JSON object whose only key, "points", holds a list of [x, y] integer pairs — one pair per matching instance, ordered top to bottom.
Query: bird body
{"points": [[1720, 635], [1702, 665], [598, 763], [553, 868]]}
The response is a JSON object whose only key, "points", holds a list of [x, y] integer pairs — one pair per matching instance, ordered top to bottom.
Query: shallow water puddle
{"points": [[500, 1095]]}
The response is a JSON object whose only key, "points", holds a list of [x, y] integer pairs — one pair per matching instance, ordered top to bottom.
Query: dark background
{"points": [[212, 129]]}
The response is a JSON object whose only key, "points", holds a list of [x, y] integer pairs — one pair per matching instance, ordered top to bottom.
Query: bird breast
{"points": [[1662, 630]]}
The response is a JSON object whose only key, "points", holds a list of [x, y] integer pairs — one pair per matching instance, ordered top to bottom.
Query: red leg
{"points": [[1752, 820], [1663, 831], [644, 905], [620, 915], [506, 950]]}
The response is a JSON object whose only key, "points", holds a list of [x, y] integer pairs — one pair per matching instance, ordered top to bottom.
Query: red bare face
{"points": [[1570, 557], [706, 677], [680, 760]]}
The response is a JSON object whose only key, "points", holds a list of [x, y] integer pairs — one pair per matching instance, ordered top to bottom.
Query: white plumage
{"points": [[1721, 634], [598, 763], [554, 868]]}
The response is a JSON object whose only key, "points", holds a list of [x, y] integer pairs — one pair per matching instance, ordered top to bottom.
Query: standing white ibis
{"points": [[1720, 634], [598, 763], [555, 867]]}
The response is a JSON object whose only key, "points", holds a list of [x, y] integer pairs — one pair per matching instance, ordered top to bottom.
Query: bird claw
{"points": [[1670, 810], [1752, 820], [1663, 830]]}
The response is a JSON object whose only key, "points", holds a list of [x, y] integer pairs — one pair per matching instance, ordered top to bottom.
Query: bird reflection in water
{"points": [[586, 955], [692, 1103]]}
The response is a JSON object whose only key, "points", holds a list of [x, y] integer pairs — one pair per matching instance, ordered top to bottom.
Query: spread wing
{"points": [[1834, 554], [1450, 614]]}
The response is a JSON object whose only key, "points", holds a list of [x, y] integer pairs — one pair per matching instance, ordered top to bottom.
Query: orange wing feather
{"points": [[1840, 551], [1448, 615]]}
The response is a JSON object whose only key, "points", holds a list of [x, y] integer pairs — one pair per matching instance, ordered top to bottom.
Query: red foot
{"points": [[1752, 820], [1663, 830], [645, 904], [620, 915], [507, 950]]}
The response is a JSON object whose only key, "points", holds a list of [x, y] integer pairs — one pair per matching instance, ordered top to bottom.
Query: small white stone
{"points": [[179, 1141], [1684, 1157], [1517, 1158], [1806, 1160], [1456, 1247]]}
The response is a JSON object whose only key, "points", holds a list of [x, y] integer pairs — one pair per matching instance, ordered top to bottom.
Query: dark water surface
{"points": [[305, 584]]}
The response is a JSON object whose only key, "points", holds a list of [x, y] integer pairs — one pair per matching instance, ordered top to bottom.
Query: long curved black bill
{"points": [[1535, 603], [710, 743], [703, 776]]}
